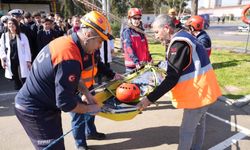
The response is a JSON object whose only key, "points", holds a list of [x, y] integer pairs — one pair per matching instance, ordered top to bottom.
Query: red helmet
{"points": [[134, 11], [197, 22], [127, 92]]}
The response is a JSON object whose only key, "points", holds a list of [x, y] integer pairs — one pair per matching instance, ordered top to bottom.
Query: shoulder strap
{"points": [[76, 40]]}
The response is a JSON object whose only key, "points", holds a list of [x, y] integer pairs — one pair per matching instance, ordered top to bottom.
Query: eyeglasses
{"points": [[135, 18]]}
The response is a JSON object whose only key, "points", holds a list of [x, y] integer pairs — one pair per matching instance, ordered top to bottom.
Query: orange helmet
{"points": [[134, 11], [98, 22], [197, 22], [127, 92]]}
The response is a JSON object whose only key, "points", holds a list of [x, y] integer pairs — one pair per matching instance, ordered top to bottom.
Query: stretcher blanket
{"points": [[146, 78]]}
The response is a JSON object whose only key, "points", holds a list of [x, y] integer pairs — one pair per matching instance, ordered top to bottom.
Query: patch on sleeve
{"points": [[173, 50], [72, 78]]}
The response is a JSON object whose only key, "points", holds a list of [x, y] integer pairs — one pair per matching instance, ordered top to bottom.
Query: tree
{"points": [[179, 5], [72, 7], [119, 7], [194, 7], [66, 8]]}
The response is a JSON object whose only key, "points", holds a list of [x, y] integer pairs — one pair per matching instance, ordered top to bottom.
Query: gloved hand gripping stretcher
{"points": [[118, 99]]}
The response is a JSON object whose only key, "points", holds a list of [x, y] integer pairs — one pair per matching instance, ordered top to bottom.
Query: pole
{"points": [[104, 6], [108, 9], [247, 38]]}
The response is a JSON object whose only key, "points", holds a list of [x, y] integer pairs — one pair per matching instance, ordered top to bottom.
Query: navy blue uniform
{"points": [[50, 88]]}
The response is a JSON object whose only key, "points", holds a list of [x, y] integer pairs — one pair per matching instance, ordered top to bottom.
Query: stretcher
{"points": [[146, 78]]}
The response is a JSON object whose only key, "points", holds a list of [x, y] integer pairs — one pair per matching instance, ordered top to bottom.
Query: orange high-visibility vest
{"points": [[88, 74], [197, 86]]}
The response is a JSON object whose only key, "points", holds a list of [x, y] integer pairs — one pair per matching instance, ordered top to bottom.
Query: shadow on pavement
{"points": [[7, 107], [218, 131], [145, 138]]}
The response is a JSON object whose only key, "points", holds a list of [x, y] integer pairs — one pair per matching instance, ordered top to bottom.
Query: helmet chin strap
{"points": [[93, 37]]}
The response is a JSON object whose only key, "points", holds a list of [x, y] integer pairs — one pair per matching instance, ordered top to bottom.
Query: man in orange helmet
{"points": [[195, 25], [135, 44], [53, 82], [88, 129]]}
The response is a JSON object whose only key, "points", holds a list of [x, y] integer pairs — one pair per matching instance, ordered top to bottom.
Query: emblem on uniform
{"points": [[100, 20], [86, 58], [72, 78]]}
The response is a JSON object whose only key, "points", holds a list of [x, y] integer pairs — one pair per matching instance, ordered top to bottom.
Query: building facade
{"points": [[29, 5]]}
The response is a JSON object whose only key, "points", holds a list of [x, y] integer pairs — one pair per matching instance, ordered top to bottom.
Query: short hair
{"points": [[36, 14], [50, 14], [27, 15], [43, 20], [163, 20]]}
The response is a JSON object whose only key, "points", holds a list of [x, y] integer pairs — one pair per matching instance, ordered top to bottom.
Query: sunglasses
{"points": [[135, 18]]}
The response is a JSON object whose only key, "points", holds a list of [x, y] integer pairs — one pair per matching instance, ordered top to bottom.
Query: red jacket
{"points": [[135, 46]]}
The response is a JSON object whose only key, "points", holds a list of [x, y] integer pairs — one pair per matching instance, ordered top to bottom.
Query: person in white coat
{"points": [[106, 52], [15, 54]]}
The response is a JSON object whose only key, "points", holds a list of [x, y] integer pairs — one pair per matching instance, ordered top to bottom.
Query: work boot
{"points": [[96, 136]]}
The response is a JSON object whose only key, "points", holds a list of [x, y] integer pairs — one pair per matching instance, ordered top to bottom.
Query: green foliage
{"points": [[119, 7], [69, 8], [116, 26]]}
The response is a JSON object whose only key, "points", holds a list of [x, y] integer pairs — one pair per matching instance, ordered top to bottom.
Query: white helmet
{"points": [[5, 18]]}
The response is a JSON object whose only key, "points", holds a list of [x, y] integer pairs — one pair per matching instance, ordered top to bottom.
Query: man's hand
{"points": [[3, 63], [29, 65], [137, 66], [118, 76], [89, 98], [144, 103], [85, 108], [93, 109]]}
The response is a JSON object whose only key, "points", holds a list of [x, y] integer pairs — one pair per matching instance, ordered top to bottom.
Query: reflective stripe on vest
{"points": [[88, 74], [198, 87]]}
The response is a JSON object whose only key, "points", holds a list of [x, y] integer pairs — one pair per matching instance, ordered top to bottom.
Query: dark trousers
{"points": [[101, 75], [18, 82], [42, 128]]}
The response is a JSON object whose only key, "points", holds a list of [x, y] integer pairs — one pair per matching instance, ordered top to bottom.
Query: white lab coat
{"points": [[110, 47], [24, 54]]}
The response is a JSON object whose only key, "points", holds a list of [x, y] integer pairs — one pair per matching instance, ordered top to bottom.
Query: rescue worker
{"points": [[172, 13], [195, 25], [135, 44], [190, 79], [53, 82], [88, 129]]}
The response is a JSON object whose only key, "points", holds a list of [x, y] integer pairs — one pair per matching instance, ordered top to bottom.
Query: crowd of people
{"points": [[58, 72]]}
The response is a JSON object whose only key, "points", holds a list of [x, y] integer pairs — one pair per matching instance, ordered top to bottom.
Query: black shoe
{"points": [[96, 136]]}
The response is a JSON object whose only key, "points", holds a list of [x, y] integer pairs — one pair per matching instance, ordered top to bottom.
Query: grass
{"points": [[237, 44], [232, 70]]}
